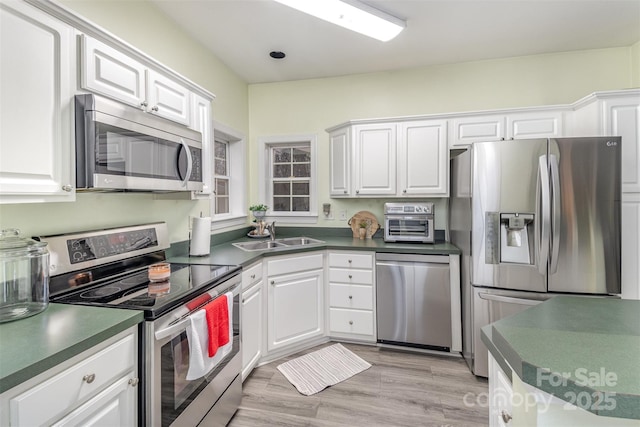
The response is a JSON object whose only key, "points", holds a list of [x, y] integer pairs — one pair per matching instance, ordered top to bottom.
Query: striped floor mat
{"points": [[328, 366]]}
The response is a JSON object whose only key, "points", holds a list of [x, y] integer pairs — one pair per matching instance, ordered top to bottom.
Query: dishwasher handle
{"points": [[412, 258]]}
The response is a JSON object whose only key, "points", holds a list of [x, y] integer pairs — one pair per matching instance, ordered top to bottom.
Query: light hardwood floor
{"points": [[400, 389]]}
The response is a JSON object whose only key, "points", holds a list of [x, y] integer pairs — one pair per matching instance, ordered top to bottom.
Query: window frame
{"points": [[265, 144], [237, 173]]}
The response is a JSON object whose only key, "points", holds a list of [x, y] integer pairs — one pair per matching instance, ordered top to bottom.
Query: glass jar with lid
{"points": [[24, 276]]}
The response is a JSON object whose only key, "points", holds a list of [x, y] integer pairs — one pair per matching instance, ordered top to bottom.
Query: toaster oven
{"points": [[409, 222]]}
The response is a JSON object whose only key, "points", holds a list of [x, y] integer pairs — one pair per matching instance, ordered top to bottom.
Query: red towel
{"points": [[192, 305], [217, 323]]}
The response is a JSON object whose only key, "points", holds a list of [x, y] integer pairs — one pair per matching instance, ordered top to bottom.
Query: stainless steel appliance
{"points": [[119, 147], [534, 218], [408, 222], [110, 268], [413, 300]]}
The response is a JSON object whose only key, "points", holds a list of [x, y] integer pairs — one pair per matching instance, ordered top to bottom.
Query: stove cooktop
{"points": [[135, 291]]}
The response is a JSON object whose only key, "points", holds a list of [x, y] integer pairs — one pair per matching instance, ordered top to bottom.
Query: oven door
{"points": [[408, 228], [171, 399]]}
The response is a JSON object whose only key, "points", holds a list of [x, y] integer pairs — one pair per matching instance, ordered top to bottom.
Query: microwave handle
{"points": [[189, 162]]}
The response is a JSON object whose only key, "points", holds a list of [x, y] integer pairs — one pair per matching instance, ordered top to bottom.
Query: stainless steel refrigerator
{"points": [[534, 218]]}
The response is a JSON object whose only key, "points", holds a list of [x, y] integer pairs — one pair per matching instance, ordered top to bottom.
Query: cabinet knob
{"points": [[144, 104], [154, 108], [67, 188], [345, 191], [357, 191], [350, 261], [253, 276], [350, 277], [273, 282], [350, 296], [351, 322], [89, 378], [133, 382], [506, 417]]}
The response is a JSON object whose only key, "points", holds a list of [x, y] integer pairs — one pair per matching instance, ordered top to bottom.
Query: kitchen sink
{"points": [[287, 242]]}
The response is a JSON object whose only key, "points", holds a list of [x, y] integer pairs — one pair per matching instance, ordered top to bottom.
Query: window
{"points": [[288, 166], [221, 177], [228, 201]]}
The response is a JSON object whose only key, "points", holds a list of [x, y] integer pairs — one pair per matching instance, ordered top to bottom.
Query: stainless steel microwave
{"points": [[119, 147]]}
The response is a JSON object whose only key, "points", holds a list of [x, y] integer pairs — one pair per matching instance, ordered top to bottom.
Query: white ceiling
{"points": [[243, 32]]}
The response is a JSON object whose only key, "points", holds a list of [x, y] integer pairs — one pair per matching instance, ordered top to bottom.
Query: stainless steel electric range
{"points": [[111, 268]]}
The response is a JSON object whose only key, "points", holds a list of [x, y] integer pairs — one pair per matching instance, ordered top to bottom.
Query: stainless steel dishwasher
{"points": [[413, 300]]}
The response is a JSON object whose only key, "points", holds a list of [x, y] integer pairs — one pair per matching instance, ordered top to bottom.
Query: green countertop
{"points": [[226, 253], [35, 344], [575, 346]]}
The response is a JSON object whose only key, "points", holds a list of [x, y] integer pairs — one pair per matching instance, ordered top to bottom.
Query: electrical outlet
{"points": [[343, 215]]}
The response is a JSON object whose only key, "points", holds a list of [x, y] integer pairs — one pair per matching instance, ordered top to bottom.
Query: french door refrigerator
{"points": [[534, 218]]}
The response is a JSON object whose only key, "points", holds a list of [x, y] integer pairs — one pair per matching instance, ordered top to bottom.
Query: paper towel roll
{"points": [[200, 236]]}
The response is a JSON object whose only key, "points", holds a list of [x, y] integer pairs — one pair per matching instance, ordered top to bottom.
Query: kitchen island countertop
{"points": [[37, 343], [575, 346]]}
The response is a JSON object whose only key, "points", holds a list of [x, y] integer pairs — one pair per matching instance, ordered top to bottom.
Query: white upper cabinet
{"points": [[109, 72], [37, 73], [202, 122], [534, 124], [495, 127], [469, 129], [423, 158], [375, 159], [340, 163]]}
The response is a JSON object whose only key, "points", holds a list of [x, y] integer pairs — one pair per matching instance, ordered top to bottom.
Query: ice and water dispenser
{"points": [[509, 238]]}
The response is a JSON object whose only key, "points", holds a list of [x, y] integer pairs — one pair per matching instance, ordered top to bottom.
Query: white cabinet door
{"points": [[109, 72], [37, 74], [167, 98], [622, 118], [201, 121], [534, 124], [469, 129], [423, 158], [375, 159], [340, 163], [630, 246], [295, 308], [251, 328], [500, 395], [116, 406]]}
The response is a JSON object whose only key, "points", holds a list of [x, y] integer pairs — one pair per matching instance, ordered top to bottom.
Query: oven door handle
{"points": [[172, 330]]}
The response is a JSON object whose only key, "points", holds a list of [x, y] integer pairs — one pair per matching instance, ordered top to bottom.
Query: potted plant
{"points": [[259, 211], [362, 231]]}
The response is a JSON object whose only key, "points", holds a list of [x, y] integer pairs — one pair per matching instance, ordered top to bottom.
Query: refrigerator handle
{"points": [[543, 201], [555, 212], [510, 300]]}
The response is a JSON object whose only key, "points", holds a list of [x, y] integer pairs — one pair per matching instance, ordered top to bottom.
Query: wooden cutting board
{"points": [[369, 218]]}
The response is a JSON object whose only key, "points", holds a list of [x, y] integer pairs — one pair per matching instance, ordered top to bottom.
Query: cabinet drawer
{"points": [[351, 260], [294, 264], [251, 275], [363, 277], [351, 296], [351, 321], [59, 394]]}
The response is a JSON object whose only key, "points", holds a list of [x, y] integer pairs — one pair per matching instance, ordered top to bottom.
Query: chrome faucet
{"points": [[272, 230]]}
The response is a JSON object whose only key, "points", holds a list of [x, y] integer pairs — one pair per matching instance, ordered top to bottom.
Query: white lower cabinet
{"points": [[630, 245], [352, 296], [295, 299], [252, 320], [98, 387], [500, 396]]}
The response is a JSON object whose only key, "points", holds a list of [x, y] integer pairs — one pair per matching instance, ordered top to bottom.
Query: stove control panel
{"points": [[96, 247]]}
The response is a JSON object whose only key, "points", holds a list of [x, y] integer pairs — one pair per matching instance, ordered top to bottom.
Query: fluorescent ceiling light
{"points": [[353, 15]]}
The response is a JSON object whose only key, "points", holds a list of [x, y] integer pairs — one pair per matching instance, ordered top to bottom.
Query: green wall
{"points": [[311, 106]]}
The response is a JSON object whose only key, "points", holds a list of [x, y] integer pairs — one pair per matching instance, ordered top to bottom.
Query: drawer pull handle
{"points": [[350, 261], [253, 276], [350, 276], [273, 282], [350, 296], [351, 322], [89, 378], [133, 382], [506, 417]]}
